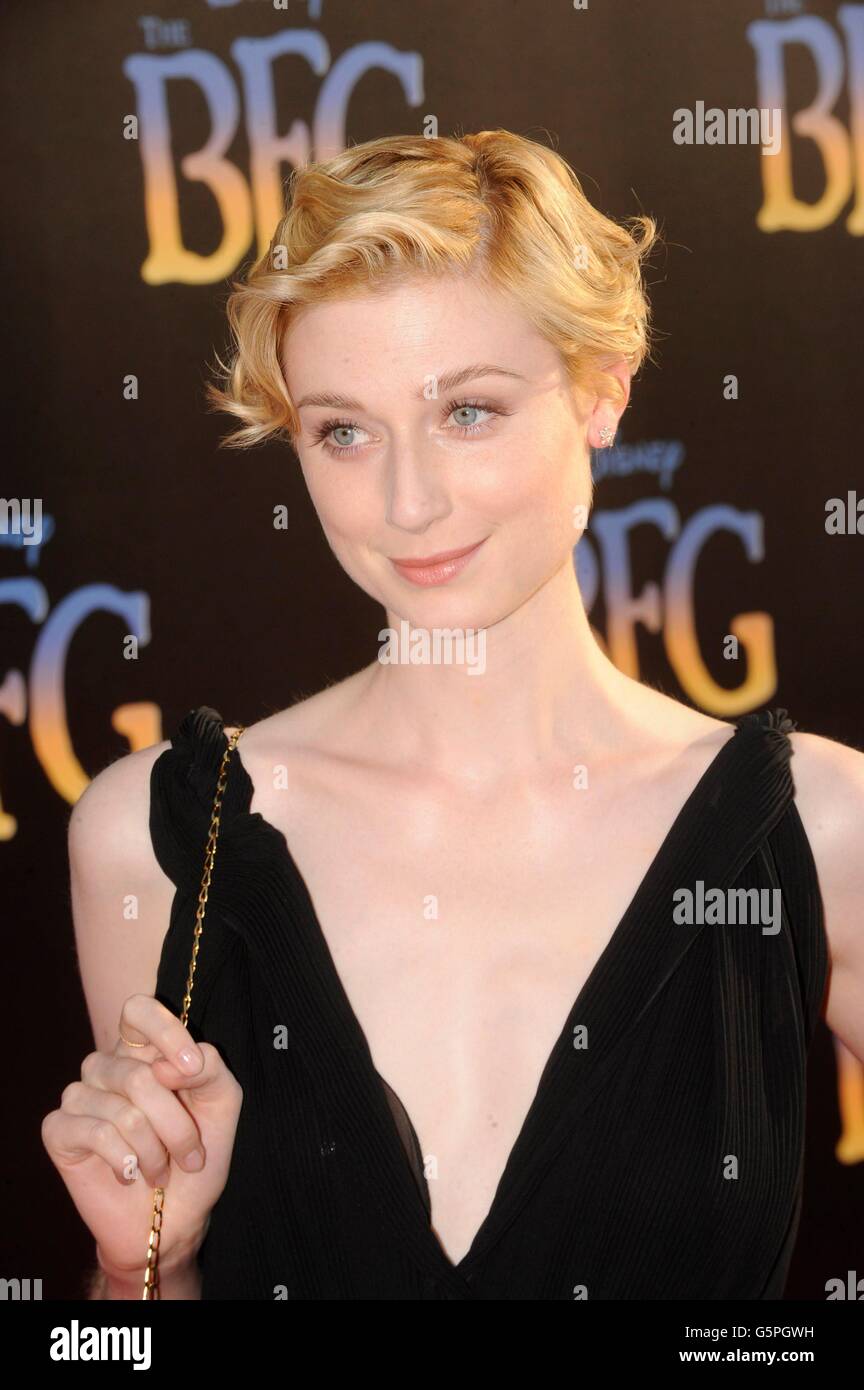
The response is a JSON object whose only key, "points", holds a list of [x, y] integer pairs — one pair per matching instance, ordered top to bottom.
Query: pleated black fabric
{"points": [[664, 1160]]}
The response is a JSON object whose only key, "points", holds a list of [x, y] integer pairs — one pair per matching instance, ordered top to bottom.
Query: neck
{"points": [[543, 687]]}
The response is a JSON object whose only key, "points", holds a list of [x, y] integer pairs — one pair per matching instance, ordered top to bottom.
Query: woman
{"points": [[455, 1036]]}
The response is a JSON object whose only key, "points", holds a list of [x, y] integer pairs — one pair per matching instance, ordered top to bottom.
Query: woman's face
{"points": [[404, 461]]}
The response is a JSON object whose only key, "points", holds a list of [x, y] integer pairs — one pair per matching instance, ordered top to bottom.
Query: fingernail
{"points": [[189, 1060], [194, 1162]]}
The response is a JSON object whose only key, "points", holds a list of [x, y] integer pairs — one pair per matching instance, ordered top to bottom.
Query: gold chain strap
{"points": [[151, 1271]]}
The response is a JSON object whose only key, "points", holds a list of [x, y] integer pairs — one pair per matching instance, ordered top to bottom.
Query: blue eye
{"points": [[468, 424], [336, 427]]}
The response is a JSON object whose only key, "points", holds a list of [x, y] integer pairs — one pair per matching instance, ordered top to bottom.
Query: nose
{"points": [[416, 485]]}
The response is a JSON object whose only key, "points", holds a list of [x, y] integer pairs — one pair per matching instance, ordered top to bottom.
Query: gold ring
{"points": [[131, 1044]]}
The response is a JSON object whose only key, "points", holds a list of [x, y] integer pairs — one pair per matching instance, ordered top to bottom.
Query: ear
{"points": [[608, 411]]}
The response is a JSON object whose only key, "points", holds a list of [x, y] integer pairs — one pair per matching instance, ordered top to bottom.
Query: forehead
{"points": [[425, 325]]}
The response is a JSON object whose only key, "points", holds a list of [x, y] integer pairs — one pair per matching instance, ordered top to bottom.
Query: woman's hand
{"points": [[140, 1118]]}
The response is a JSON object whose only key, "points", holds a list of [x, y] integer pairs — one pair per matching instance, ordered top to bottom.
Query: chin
{"points": [[467, 612]]}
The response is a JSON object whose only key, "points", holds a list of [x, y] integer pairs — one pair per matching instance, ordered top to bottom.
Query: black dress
{"points": [[661, 1161]]}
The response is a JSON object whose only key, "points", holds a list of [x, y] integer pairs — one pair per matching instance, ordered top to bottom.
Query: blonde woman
{"points": [[452, 1035]]}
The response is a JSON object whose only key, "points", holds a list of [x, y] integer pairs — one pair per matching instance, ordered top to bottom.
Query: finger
{"points": [[144, 1020], [137, 1082], [212, 1084], [131, 1122], [71, 1139]]}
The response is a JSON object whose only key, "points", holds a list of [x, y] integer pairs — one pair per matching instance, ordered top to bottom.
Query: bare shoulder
{"points": [[327, 721], [665, 723], [829, 788], [829, 793], [114, 809], [121, 898]]}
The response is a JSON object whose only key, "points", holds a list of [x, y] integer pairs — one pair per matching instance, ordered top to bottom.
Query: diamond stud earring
{"points": [[607, 434]]}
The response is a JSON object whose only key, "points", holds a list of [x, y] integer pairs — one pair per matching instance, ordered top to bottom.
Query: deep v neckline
{"points": [[695, 798]]}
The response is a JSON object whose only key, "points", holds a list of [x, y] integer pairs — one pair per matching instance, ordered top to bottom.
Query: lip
{"points": [[436, 569]]}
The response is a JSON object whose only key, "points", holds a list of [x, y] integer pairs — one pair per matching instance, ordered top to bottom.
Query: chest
{"points": [[455, 927], [462, 935]]}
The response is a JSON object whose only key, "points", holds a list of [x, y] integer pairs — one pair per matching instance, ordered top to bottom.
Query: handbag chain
{"points": [[151, 1270]]}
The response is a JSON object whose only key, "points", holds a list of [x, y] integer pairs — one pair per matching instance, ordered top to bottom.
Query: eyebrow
{"points": [[447, 381]]}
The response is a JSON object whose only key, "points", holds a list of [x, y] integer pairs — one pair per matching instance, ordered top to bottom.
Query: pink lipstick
{"points": [[435, 569]]}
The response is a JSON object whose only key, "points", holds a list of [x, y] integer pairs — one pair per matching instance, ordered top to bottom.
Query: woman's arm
{"points": [[829, 785], [121, 899], [121, 904]]}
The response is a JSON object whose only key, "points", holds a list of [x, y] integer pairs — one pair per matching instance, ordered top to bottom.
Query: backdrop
{"points": [[145, 161]]}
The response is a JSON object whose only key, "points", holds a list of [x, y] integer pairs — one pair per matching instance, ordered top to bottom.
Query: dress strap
{"points": [[775, 719], [182, 786], [788, 860]]}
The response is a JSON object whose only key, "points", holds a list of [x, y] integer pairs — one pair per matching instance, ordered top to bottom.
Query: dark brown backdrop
{"points": [[149, 529]]}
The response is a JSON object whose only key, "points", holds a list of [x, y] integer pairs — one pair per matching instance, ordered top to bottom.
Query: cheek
{"points": [[534, 496], [345, 508]]}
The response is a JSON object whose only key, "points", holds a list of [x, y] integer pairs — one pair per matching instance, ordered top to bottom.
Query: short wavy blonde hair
{"points": [[493, 204]]}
